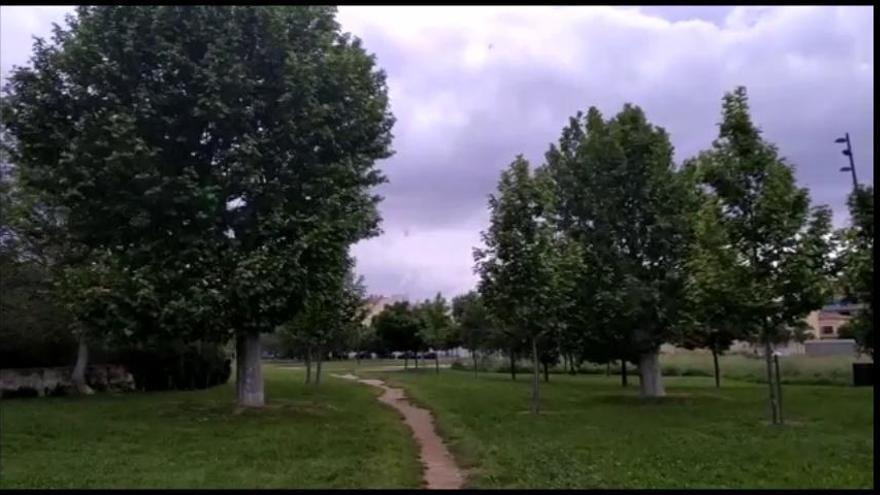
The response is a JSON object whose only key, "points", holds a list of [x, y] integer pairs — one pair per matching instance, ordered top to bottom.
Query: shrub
{"points": [[177, 367]]}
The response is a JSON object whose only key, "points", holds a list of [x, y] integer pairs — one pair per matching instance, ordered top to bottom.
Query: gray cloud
{"points": [[474, 86]]}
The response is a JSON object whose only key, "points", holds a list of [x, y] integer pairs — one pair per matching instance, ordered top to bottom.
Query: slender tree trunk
{"points": [[474, 355], [416, 359], [768, 359], [405, 361], [437, 362], [308, 365], [512, 366], [318, 368], [608, 368], [717, 371], [546, 372], [252, 373], [650, 375], [78, 377], [535, 377], [623, 382], [778, 389]]}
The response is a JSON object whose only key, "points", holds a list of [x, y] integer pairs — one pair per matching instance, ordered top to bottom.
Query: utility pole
{"points": [[852, 165]]}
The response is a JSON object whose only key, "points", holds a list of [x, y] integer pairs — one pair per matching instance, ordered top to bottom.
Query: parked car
{"points": [[429, 355]]}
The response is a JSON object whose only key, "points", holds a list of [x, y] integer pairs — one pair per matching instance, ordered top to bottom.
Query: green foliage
{"points": [[146, 125], [617, 195], [776, 246], [858, 267], [525, 268], [713, 277], [331, 316], [472, 321], [436, 322], [34, 326], [399, 328], [176, 366]]}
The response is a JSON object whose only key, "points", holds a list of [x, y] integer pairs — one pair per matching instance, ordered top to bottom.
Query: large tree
{"points": [[210, 150], [619, 196], [779, 242]]}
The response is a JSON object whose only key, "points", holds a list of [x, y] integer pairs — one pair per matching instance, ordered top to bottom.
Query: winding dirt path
{"points": [[440, 470]]}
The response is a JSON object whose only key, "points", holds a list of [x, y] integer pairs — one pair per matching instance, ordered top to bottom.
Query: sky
{"points": [[472, 87]]}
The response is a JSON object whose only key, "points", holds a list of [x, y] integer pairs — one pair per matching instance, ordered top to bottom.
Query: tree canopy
{"points": [[214, 153]]}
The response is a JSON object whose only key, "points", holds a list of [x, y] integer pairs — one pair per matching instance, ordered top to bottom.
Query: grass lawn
{"points": [[796, 369], [594, 434], [333, 436]]}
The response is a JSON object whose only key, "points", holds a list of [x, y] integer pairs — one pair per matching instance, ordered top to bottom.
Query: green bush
{"points": [[177, 367]]}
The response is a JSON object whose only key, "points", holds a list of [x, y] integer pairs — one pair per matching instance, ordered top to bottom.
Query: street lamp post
{"points": [[852, 165]]}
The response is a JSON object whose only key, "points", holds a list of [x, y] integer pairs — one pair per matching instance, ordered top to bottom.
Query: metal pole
{"points": [[852, 165]]}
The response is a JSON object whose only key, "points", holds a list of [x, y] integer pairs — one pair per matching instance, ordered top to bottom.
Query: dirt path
{"points": [[440, 468]]}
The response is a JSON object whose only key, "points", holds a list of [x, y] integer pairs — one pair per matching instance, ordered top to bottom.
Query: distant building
{"points": [[375, 305], [826, 322], [822, 336]]}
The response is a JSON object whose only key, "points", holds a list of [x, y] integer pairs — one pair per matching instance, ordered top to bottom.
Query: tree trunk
{"points": [[474, 355], [416, 359], [405, 361], [437, 362], [715, 362], [239, 365], [308, 365], [512, 366], [318, 368], [608, 368], [79, 369], [546, 372], [252, 373], [650, 375], [535, 376], [623, 382], [778, 389], [774, 411]]}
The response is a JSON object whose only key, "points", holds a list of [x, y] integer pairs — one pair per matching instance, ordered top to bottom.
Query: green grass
{"points": [[799, 369], [594, 434], [333, 436]]}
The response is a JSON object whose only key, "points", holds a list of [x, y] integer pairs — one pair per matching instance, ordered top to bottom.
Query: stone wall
{"points": [[41, 382]]}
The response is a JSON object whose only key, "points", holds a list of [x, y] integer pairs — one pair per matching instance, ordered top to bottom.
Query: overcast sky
{"points": [[471, 87]]}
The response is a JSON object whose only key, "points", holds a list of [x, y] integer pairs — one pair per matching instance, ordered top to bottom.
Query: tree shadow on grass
{"points": [[671, 399]]}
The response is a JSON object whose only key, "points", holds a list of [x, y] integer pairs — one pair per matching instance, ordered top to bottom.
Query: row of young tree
{"points": [[194, 173], [608, 250], [412, 329]]}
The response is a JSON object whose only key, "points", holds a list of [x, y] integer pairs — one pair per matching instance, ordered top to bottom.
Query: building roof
{"points": [[841, 305]]}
